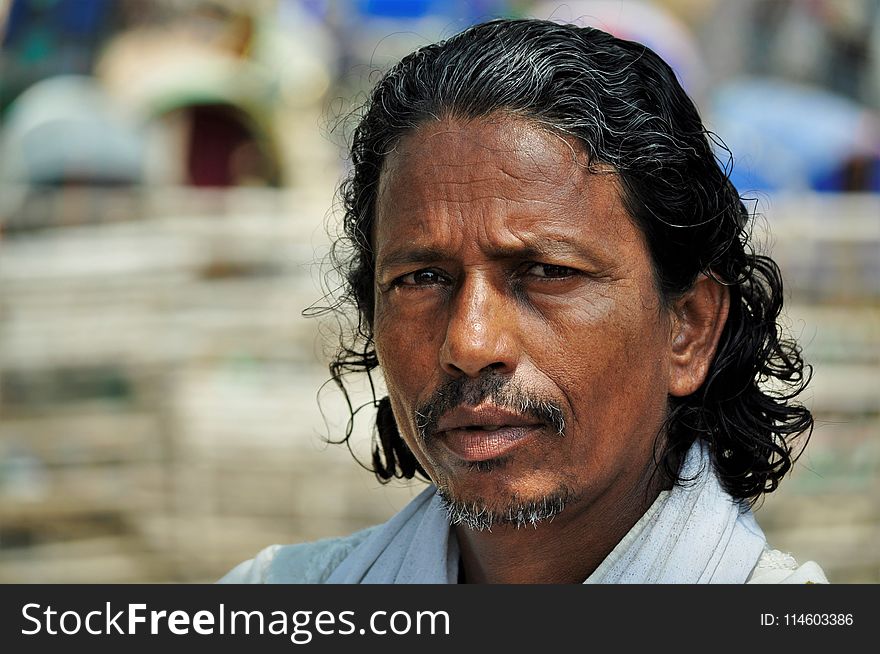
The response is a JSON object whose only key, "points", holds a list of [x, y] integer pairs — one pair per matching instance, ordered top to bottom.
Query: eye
{"points": [[550, 271], [426, 277]]}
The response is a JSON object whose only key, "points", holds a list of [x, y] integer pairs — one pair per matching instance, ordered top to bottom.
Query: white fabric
{"points": [[691, 534], [695, 534], [416, 546], [314, 562], [775, 567]]}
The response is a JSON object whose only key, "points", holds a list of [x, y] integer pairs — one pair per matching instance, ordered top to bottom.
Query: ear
{"points": [[698, 319]]}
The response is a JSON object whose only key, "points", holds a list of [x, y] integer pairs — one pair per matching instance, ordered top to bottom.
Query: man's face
{"points": [[513, 289]]}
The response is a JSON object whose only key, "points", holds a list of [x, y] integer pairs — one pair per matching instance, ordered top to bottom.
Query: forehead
{"points": [[456, 151], [495, 178]]}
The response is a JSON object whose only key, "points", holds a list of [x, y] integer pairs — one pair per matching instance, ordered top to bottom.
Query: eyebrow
{"points": [[535, 250], [409, 256]]}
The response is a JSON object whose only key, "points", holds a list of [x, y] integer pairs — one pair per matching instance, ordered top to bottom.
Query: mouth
{"points": [[482, 433], [483, 444]]}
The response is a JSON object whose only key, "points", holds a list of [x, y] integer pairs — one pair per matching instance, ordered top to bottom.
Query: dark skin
{"points": [[498, 250]]}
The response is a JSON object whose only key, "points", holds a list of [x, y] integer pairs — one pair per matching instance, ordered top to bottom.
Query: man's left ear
{"points": [[698, 320]]}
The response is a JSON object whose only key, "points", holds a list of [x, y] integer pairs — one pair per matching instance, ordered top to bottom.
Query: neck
{"points": [[564, 550]]}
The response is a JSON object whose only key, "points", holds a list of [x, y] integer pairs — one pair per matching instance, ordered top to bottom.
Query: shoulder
{"points": [[303, 563], [775, 567]]}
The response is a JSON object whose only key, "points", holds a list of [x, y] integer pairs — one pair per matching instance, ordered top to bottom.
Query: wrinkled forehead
{"points": [[448, 149], [507, 165], [494, 182]]}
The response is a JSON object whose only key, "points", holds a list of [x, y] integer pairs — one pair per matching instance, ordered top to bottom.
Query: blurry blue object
{"points": [[396, 8], [469, 10], [83, 17], [65, 19], [786, 136]]}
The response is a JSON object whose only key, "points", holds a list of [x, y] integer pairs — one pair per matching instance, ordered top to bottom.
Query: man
{"points": [[553, 274]]}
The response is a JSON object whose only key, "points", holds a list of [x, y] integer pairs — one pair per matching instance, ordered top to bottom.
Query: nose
{"points": [[479, 333]]}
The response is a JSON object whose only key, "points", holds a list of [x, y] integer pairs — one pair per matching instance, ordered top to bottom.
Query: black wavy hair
{"points": [[624, 106]]}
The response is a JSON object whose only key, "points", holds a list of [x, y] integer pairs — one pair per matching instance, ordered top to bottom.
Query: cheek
{"points": [[403, 342], [407, 349], [607, 356]]}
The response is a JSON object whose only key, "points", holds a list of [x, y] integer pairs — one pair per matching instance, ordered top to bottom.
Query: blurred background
{"points": [[167, 177]]}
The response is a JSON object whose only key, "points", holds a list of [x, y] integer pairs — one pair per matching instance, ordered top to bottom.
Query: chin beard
{"points": [[478, 516]]}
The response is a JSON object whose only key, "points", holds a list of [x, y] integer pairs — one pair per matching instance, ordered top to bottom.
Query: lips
{"points": [[484, 432]]}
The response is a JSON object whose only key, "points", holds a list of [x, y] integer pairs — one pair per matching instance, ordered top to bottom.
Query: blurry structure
{"points": [[826, 43], [829, 44], [220, 84], [207, 94], [64, 132], [788, 136], [155, 209]]}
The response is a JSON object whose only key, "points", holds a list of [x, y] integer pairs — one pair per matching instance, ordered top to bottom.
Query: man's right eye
{"points": [[425, 277]]}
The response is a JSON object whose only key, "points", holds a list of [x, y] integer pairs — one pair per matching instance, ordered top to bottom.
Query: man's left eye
{"points": [[550, 271]]}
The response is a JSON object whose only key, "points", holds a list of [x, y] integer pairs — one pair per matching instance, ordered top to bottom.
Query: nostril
{"points": [[452, 369]]}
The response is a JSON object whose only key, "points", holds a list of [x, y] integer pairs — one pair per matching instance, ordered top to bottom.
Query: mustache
{"points": [[493, 388]]}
